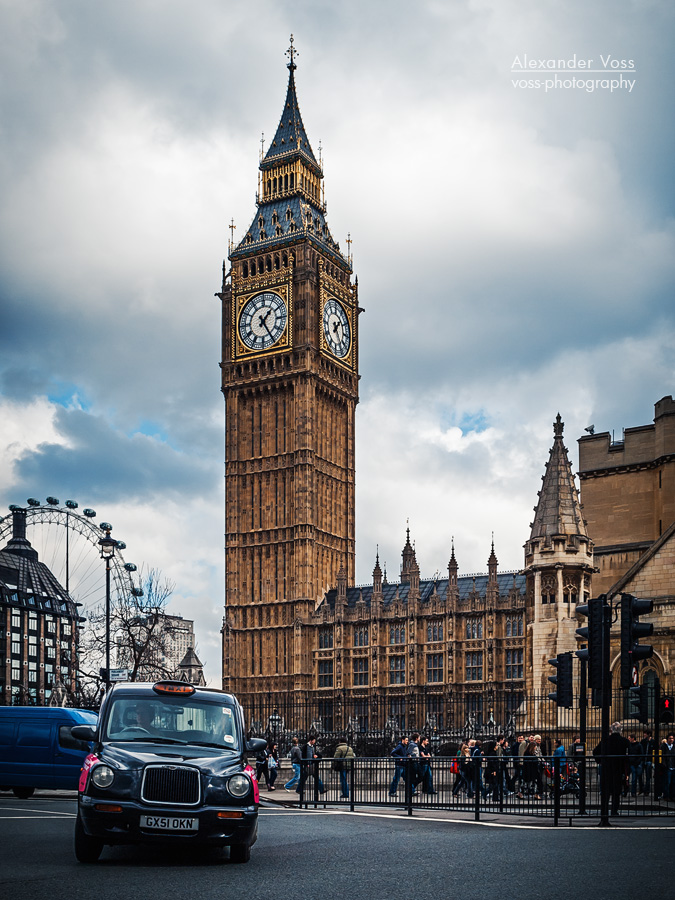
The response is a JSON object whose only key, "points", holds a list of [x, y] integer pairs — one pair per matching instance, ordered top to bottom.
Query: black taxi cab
{"points": [[168, 763]]}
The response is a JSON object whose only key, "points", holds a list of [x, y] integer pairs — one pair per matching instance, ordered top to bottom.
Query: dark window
{"points": [[474, 629], [434, 631], [397, 634], [361, 636], [325, 638], [514, 664], [474, 666], [434, 667], [397, 670], [361, 671], [326, 673]]}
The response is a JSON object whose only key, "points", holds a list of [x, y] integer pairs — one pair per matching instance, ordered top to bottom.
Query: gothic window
{"points": [[292, 179], [285, 182], [274, 184], [288, 214], [275, 217], [276, 258], [284, 260], [268, 263], [245, 270], [548, 589], [571, 592], [514, 626], [474, 629], [434, 631], [397, 634], [361, 636], [325, 638], [514, 664], [474, 666], [434, 667], [397, 670], [361, 671], [325, 673]]}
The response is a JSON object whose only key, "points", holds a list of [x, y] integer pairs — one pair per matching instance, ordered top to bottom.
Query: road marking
{"points": [[41, 812], [14, 818], [411, 819]]}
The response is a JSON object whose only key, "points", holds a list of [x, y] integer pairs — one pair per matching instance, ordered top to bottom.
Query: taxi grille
{"points": [[170, 784]]}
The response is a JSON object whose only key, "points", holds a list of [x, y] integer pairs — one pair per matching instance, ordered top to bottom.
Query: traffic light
{"points": [[631, 631], [592, 633], [563, 680], [639, 703], [666, 709]]}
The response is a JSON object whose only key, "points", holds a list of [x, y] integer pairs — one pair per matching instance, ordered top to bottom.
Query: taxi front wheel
{"points": [[87, 849], [240, 853]]}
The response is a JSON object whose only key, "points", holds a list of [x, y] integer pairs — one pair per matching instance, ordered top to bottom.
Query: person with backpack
{"points": [[400, 755], [342, 763], [310, 766]]}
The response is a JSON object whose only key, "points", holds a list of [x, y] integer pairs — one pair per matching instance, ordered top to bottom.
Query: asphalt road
{"points": [[316, 854]]}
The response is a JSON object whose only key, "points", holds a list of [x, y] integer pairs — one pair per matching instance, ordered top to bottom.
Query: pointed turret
{"points": [[558, 511], [408, 559], [558, 564], [492, 565], [453, 568], [377, 575]]}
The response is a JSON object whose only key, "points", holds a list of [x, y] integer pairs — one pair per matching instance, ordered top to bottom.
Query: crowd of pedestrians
{"points": [[495, 768]]}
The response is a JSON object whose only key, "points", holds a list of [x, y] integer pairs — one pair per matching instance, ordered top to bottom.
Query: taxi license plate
{"points": [[170, 823]]}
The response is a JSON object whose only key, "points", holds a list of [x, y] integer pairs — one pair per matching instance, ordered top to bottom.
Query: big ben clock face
{"points": [[263, 320], [336, 328]]}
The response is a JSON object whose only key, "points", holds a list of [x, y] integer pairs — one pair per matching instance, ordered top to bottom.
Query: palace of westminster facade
{"points": [[295, 625]]}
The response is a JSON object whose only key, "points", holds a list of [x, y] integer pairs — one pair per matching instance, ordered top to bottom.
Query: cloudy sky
{"points": [[513, 244]]}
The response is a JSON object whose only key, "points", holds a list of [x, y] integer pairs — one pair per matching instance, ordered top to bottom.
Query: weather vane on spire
{"points": [[291, 53]]}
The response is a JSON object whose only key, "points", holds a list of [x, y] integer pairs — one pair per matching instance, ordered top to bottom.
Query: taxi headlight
{"points": [[102, 776], [239, 785]]}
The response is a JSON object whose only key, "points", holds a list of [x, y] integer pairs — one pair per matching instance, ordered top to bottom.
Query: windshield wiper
{"points": [[149, 739]]}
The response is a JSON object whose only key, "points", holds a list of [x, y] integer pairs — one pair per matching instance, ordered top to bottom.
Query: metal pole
{"points": [[107, 623], [606, 702], [583, 709], [657, 738]]}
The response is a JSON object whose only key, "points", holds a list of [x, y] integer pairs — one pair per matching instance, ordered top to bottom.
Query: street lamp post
{"points": [[107, 546]]}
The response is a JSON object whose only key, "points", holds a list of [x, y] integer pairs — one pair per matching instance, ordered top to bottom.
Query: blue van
{"points": [[37, 749]]}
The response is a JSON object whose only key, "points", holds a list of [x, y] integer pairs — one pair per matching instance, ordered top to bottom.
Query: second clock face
{"points": [[263, 320], [336, 328]]}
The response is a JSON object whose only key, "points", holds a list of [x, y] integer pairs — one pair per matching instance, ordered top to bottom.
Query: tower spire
{"points": [[291, 53], [558, 510]]}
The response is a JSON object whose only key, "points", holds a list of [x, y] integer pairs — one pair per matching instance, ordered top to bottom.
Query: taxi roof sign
{"points": [[173, 687]]}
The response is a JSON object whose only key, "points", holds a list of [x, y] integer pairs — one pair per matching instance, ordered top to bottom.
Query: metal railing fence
{"points": [[545, 788]]}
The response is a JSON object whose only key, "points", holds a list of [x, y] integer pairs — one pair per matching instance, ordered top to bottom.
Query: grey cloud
{"points": [[103, 464]]}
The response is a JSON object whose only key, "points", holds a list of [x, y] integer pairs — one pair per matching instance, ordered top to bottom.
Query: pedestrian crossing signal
{"points": [[666, 709]]}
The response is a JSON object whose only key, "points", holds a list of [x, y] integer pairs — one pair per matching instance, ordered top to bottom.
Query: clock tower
{"points": [[290, 380]]}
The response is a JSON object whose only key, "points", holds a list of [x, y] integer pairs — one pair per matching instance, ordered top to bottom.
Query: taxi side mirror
{"points": [[83, 732], [255, 745]]}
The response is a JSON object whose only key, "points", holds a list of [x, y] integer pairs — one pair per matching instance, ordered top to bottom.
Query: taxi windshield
{"points": [[172, 720]]}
